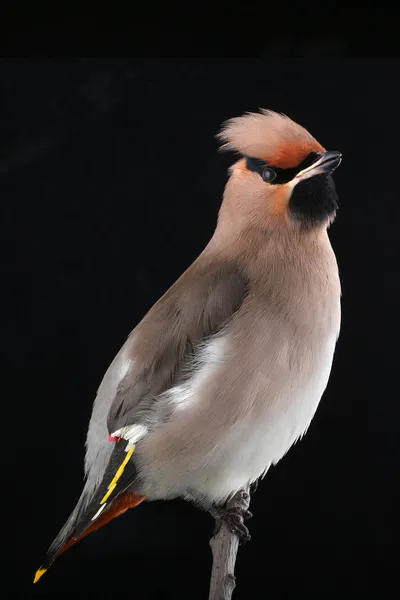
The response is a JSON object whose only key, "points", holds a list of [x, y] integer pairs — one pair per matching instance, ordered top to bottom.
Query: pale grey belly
{"points": [[215, 461]]}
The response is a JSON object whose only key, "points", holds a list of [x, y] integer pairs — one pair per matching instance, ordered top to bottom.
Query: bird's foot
{"points": [[233, 519]]}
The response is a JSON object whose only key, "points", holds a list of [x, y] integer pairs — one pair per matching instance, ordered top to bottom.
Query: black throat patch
{"points": [[314, 200]]}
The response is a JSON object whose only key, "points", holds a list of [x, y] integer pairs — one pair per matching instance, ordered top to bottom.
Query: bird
{"points": [[226, 371]]}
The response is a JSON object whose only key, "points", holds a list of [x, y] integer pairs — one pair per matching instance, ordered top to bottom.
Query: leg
{"points": [[233, 518]]}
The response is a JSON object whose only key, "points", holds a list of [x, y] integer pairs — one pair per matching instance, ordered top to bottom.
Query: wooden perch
{"points": [[224, 545]]}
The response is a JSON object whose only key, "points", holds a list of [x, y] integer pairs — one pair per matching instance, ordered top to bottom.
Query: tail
{"points": [[110, 500]]}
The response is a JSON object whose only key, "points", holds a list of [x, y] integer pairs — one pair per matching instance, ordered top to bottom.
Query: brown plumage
{"points": [[226, 370]]}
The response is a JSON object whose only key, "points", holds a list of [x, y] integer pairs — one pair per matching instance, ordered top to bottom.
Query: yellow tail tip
{"points": [[38, 574]]}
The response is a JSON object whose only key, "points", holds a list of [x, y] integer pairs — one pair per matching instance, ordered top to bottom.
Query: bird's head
{"points": [[283, 174]]}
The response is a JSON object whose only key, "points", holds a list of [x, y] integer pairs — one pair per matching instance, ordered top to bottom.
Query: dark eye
{"points": [[268, 175]]}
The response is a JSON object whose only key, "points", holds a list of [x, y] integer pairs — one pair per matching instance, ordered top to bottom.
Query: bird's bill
{"points": [[328, 162]]}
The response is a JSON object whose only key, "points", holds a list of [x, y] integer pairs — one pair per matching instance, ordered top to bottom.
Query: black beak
{"points": [[327, 163]]}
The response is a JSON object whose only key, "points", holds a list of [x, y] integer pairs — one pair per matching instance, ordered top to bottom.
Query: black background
{"points": [[112, 184]]}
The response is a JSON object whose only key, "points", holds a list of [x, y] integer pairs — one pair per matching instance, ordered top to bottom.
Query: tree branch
{"points": [[224, 545]]}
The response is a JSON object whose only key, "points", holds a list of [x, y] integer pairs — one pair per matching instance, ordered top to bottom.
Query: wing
{"points": [[167, 340], [156, 357], [152, 360]]}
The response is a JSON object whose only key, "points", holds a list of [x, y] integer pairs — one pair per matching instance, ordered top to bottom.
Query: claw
{"points": [[245, 496], [233, 519], [244, 538]]}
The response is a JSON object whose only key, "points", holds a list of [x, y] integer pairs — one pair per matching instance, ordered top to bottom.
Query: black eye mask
{"points": [[276, 175]]}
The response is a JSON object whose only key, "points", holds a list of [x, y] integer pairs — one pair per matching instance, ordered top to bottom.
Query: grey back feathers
{"points": [[158, 355]]}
